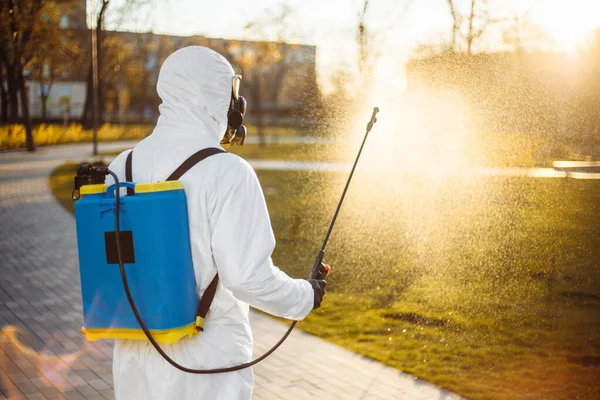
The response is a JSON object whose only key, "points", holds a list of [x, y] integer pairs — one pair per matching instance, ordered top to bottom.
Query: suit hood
{"points": [[195, 86]]}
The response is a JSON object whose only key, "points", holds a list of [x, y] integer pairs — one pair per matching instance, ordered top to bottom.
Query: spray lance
{"points": [[88, 174], [320, 271]]}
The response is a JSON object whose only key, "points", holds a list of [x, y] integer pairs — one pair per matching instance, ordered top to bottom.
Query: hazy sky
{"points": [[399, 25]]}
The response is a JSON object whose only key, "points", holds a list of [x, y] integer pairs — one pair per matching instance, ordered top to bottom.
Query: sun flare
{"points": [[569, 24]]}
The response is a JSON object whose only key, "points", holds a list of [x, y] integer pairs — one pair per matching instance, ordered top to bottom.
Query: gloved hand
{"points": [[319, 289]]}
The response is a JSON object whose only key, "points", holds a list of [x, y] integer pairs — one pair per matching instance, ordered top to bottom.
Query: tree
{"points": [[133, 10], [456, 21], [478, 24], [471, 25], [23, 28], [521, 34], [364, 50], [368, 51], [58, 54], [3, 92]]}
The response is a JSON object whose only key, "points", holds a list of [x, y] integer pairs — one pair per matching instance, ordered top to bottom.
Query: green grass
{"points": [[487, 287]]}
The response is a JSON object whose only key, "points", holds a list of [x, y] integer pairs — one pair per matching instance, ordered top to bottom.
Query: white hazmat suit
{"points": [[230, 232]]}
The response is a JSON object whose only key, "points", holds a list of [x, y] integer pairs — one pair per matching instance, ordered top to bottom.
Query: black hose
{"points": [[145, 328]]}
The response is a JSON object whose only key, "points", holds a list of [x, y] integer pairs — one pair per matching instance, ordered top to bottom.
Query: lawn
{"points": [[489, 288]]}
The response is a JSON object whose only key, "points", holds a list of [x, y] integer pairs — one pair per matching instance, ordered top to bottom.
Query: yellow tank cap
{"points": [[158, 187], [92, 189]]}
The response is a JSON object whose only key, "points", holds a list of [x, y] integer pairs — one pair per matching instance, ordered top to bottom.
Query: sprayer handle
{"points": [[320, 270], [324, 271]]}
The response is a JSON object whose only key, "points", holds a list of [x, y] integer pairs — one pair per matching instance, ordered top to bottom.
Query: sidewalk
{"points": [[40, 297]]}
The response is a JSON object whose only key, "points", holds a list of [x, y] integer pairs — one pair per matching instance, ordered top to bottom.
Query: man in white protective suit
{"points": [[230, 233]]}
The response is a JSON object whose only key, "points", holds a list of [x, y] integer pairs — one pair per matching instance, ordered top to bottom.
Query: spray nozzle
{"points": [[373, 119], [87, 174]]}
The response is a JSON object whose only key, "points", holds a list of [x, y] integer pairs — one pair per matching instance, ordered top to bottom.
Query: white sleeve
{"points": [[242, 243]]}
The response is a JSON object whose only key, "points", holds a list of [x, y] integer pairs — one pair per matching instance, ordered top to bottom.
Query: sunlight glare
{"points": [[570, 25], [417, 131]]}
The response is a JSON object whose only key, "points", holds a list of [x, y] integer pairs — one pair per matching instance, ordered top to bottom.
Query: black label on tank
{"points": [[126, 242]]}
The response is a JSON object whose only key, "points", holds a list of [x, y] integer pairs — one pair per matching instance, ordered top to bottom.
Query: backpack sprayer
{"points": [[100, 201]]}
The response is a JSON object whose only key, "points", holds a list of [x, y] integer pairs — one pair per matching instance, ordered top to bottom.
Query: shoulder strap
{"points": [[193, 160], [129, 172], [209, 294], [205, 302]]}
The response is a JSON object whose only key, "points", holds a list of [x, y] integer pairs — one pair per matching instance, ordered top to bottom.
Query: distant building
{"points": [[275, 86]]}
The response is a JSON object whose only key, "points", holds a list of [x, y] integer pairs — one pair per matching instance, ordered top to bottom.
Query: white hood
{"points": [[195, 86]]}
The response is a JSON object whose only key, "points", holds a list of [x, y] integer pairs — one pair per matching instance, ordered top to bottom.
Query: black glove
{"points": [[319, 289]]}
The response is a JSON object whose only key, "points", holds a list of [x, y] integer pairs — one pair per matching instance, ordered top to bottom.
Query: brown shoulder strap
{"points": [[193, 160], [129, 172], [209, 294], [205, 302]]}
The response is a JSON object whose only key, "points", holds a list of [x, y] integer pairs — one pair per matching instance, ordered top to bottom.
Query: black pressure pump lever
{"points": [[319, 270]]}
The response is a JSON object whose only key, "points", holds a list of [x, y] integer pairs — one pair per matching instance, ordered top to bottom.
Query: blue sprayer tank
{"points": [[155, 244]]}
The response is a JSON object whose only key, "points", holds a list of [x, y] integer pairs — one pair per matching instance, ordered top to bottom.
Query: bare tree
{"points": [[456, 22], [479, 22], [471, 26], [522, 34], [364, 50], [368, 52]]}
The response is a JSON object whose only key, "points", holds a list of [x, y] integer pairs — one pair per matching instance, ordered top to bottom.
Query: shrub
{"points": [[13, 136]]}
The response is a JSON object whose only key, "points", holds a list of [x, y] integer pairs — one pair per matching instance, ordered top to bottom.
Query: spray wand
{"points": [[320, 270]]}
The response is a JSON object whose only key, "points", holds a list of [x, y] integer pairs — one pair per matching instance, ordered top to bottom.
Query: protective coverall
{"points": [[230, 232]]}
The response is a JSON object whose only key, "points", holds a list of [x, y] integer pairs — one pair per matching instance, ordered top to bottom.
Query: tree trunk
{"points": [[455, 24], [471, 34], [3, 96], [44, 98], [13, 99], [4, 106], [87, 106], [25, 110]]}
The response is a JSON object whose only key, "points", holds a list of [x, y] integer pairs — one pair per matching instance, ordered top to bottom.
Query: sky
{"points": [[398, 26]]}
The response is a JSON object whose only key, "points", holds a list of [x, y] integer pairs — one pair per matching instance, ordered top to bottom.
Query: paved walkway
{"points": [[42, 354]]}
